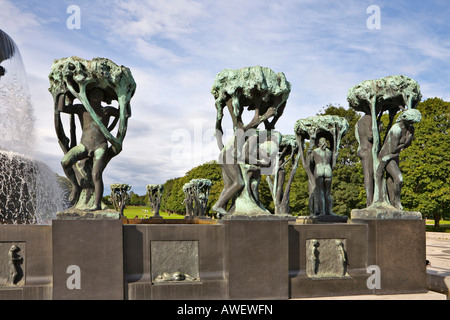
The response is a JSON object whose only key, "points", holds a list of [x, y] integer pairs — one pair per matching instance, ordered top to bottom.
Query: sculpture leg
{"points": [[70, 158], [99, 164], [368, 178], [394, 183], [233, 184], [319, 196], [327, 196], [13, 273]]}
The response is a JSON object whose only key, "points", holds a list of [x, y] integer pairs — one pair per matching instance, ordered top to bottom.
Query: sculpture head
{"points": [[96, 96], [410, 116], [322, 143]]}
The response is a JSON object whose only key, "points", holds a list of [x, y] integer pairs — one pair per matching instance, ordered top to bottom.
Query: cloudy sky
{"points": [[175, 48]]}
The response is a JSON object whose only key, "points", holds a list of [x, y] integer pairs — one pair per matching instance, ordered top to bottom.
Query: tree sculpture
{"points": [[92, 83], [251, 151], [288, 153], [380, 159], [319, 160], [155, 192], [196, 194], [119, 196]]}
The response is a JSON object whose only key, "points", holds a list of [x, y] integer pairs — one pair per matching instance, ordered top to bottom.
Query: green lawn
{"points": [[132, 211], [444, 226]]}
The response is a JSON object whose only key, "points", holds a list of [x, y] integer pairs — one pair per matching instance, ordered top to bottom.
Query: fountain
{"points": [[29, 190]]}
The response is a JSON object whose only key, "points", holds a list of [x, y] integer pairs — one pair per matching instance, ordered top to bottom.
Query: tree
{"points": [[425, 164]]}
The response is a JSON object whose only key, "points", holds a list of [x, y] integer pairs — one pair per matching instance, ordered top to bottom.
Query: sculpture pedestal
{"points": [[384, 212], [77, 214], [325, 218], [397, 247], [257, 258], [88, 260]]}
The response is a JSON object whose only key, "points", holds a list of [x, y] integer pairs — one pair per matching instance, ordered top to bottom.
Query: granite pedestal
{"points": [[398, 248], [88, 260], [308, 281]]}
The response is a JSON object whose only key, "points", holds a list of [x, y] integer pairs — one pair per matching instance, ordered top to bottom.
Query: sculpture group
{"points": [[92, 83], [252, 151], [380, 159]]}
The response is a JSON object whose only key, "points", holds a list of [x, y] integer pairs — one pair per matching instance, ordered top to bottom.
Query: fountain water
{"points": [[29, 190]]}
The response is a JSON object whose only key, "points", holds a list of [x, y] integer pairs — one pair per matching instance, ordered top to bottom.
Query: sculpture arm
{"points": [[256, 122]]}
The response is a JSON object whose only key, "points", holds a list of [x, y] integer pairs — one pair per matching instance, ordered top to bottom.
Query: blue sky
{"points": [[175, 48]]}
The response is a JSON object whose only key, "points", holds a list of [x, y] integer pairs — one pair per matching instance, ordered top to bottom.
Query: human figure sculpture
{"points": [[92, 82], [265, 93], [364, 136], [398, 138], [93, 145], [288, 153], [321, 161], [382, 176], [155, 192], [196, 193], [119, 196], [189, 199], [342, 255], [315, 256], [14, 261], [174, 276]]}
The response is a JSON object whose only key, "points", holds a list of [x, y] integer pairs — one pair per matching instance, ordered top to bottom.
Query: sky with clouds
{"points": [[175, 48]]}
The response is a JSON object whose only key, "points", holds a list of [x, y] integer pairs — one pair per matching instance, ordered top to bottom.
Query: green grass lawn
{"points": [[132, 211], [444, 226]]}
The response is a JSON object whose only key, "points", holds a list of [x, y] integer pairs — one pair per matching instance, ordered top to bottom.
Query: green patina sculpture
{"points": [[92, 83], [251, 151], [288, 152], [320, 159], [380, 159], [154, 193], [196, 194], [119, 196]]}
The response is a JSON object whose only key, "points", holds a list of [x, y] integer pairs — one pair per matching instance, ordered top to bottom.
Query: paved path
{"points": [[438, 253]]}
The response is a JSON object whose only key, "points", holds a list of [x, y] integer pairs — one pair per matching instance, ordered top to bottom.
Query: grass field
{"points": [[141, 212], [444, 226]]}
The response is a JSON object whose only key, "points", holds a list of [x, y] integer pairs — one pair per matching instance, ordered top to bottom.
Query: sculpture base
{"points": [[384, 211], [77, 214], [197, 217], [257, 217], [323, 218]]}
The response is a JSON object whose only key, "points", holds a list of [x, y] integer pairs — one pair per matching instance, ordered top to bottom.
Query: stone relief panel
{"points": [[326, 258], [174, 261], [12, 267]]}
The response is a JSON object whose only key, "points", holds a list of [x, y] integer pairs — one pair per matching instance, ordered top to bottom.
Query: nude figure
{"points": [[364, 136], [399, 137], [93, 143], [321, 159]]}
